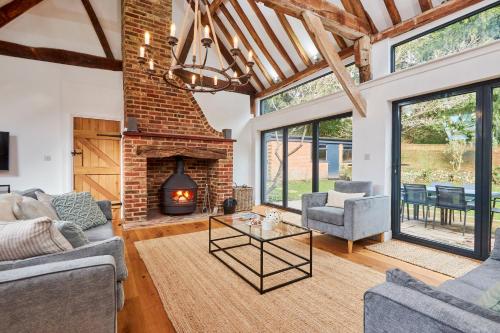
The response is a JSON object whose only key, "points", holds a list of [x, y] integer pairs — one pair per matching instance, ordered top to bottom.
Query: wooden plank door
{"points": [[96, 159]]}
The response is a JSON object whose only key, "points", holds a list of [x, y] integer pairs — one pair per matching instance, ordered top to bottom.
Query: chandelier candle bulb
{"points": [[172, 30], [207, 31], [147, 38], [235, 42], [142, 51], [250, 56], [151, 64], [170, 75], [193, 79], [215, 80]]}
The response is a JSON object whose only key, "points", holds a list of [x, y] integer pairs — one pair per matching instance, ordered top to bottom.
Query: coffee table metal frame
{"points": [[260, 288]]}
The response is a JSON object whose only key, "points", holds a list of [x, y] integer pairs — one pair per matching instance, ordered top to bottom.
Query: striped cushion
{"points": [[30, 238]]}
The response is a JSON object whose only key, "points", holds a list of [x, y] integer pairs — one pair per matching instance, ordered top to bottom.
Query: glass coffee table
{"points": [[254, 236]]}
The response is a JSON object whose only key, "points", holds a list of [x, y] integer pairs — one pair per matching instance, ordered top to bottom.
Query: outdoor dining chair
{"points": [[416, 195], [452, 198]]}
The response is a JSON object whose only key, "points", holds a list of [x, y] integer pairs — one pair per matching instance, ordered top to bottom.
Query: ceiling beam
{"points": [[215, 5], [425, 5], [14, 9], [359, 10], [393, 11], [429, 16], [332, 17], [98, 28], [272, 35], [255, 36], [294, 39], [340, 41], [245, 42], [346, 53], [227, 55], [59, 56], [362, 58], [335, 62]]}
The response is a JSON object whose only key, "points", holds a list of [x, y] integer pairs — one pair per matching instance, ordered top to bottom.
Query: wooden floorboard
{"points": [[143, 311]]}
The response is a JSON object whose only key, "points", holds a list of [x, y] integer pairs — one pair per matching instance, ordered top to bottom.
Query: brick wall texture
{"points": [[161, 109]]}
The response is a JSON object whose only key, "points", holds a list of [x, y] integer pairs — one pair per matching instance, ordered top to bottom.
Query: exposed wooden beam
{"points": [[215, 5], [425, 5], [14, 9], [359, 10], [393, 11], [429, 16], [332, 17], [98, 28], [272, 35], [311, 35], [255, 36], [295, 40], [340, 41], [245, 43], [346, 53], [227, 55], [59, 56], [362, 58], [335, 62], [208, 81]]}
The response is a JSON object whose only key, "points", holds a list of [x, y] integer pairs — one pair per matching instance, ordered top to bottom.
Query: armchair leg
{"points": [[349, 246]]}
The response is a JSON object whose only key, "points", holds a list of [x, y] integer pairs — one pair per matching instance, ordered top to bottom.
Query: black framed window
{"points": [[469, 31], [318, 87], [304, 158], [444, 186]]}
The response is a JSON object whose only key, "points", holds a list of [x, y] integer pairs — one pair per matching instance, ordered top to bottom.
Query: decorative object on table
{"points": [[195, 75], [228, 133], [4, 189], [244, 195], [229, 206], [273, 217]]}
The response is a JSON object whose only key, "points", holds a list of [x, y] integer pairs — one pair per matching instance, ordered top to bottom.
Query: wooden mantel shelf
{"points": [[177, 136]]}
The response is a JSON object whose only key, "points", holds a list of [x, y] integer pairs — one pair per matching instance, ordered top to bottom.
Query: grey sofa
{"points": [[360, 218], [81, 288], [403, 307]]}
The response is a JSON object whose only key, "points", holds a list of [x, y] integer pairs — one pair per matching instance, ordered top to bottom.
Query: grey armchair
{"points": [[360, 218]]}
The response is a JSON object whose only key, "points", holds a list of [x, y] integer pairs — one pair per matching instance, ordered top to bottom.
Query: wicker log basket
{"points": [[244, 196]]}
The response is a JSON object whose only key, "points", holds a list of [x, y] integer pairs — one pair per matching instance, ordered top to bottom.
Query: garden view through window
{"points": [[469, 32], [319, 87], [316, 155]]}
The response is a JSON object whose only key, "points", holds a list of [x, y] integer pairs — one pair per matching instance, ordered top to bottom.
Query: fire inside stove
{"points": [[182, 196]]}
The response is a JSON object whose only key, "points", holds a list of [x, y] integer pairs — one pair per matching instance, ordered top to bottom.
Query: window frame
{"points": [[429, 31], [296, 86], [315, 159]]}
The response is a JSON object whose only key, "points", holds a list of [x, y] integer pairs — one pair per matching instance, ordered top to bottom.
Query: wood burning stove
{"points": [[178, 194]]}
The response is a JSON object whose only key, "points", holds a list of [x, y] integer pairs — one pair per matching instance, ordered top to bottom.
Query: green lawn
{"points": [[298, 187]]}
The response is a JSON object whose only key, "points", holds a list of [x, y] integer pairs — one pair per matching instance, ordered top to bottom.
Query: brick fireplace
{"points": [[170, 121]]}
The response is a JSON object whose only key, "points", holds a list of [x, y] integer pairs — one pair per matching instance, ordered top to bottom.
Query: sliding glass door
{"points": [[305, 158], [444, 185]]}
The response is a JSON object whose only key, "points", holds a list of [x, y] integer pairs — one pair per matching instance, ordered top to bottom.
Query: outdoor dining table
{"points": [[470, 195]]}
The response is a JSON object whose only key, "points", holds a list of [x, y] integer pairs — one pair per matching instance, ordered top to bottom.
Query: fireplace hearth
{"points": [[178, 194]]}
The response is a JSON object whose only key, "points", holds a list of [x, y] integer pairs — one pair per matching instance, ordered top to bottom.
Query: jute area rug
{"points": [[435, 260], [200, 294]]}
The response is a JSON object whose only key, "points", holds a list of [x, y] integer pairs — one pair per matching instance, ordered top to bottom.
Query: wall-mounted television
{"points": [[4, 150]]}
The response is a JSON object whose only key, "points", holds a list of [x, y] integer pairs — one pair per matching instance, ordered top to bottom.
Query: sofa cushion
{"points": [[354, 187], [31, 193], [46, 199], [337, 199], [6, 207], [28, 208], [79, 208], [332, 215], [72, 232], [100, 232], [30, 238], [483, 277], [405, 280], [461, 290], [491, 298]]}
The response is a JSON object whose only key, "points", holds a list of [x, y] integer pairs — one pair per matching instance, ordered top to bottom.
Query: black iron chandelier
{"points": [[197, 76]]}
